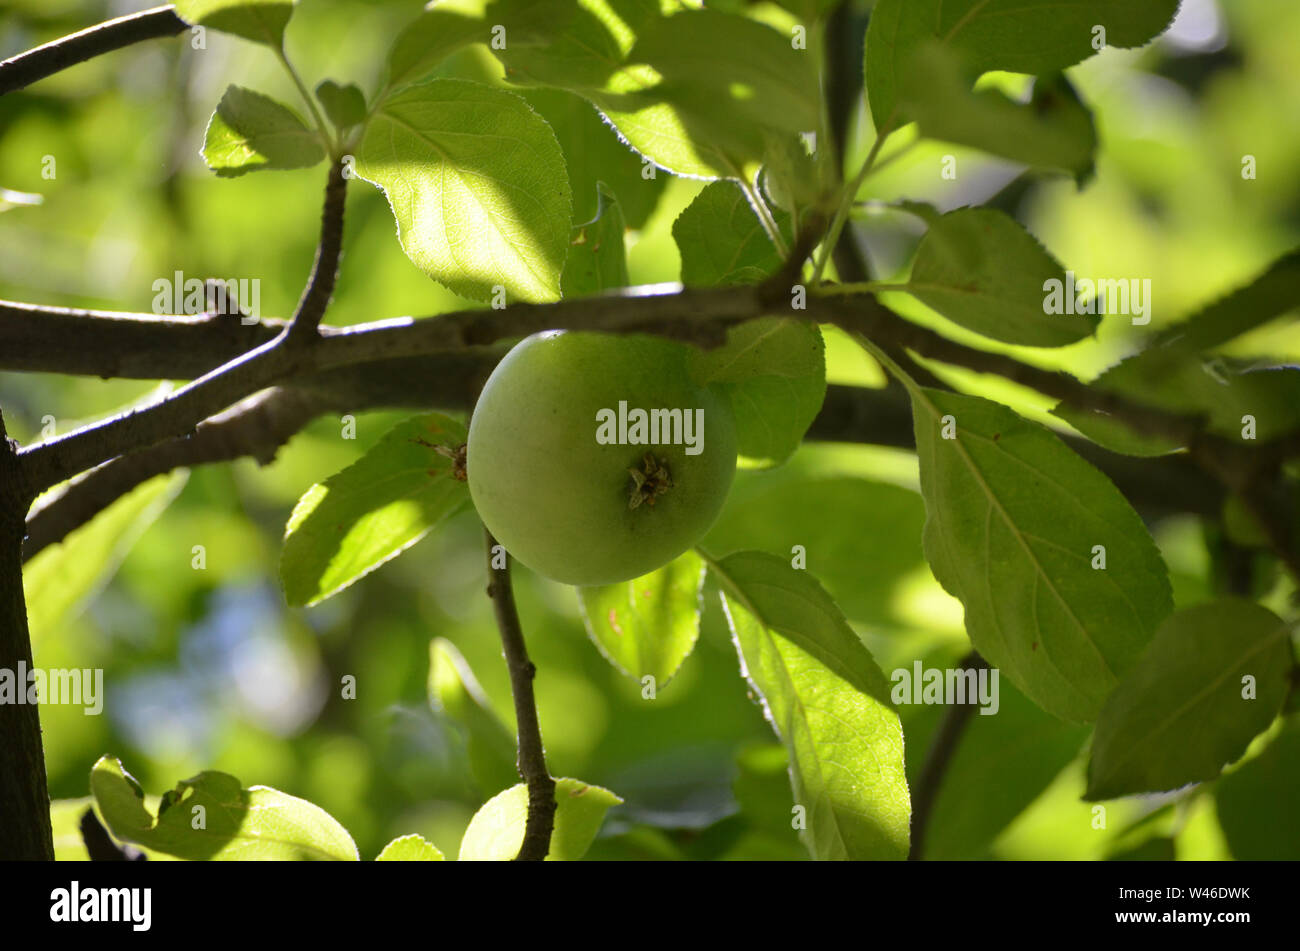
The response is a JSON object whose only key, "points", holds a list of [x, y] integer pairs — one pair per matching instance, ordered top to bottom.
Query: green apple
{"points": [[561, 463]]}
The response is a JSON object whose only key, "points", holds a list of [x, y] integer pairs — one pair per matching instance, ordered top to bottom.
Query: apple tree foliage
{"points": [[521, 184]]}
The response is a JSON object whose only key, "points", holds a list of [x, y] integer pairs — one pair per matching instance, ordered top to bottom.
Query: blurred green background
{"points": [[206, 668]]}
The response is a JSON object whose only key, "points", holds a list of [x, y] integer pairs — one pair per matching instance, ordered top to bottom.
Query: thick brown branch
{"points": [[26, 68], [698, 316], [40, 339], [255, 428], [62, 457], [532, 755], [25, 827]]}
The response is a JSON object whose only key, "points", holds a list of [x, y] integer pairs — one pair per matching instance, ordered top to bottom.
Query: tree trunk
{"points": [[24, 796]]}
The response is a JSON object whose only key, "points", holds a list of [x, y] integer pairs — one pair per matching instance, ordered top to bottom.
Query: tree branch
{"points": [[26, 68], [325, 269], [698, 316], [40, 339], [283, 357], [256, 428], [937, 759], [531, 761], [24, 797]]}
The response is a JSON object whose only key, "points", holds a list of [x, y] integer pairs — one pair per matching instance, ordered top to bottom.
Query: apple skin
{"points": [[556, 498]]}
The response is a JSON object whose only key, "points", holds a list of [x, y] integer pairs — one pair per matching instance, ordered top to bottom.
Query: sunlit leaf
{"points": [[262, 21], [249, 131], [476, 181], [376, 508], [647, 626], [827, 701], [211, 817], [496, 832], [409, 848]]}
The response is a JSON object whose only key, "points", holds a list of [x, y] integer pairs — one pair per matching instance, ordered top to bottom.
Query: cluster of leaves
{"points": [[493, 188]]}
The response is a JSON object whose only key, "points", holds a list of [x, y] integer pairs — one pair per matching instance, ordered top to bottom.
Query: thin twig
{"points": [[26, 68], [325, 269], [532, 755], [937, 759]]}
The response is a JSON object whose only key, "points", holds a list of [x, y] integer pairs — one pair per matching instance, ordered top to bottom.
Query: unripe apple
{"points": [[562, 475]]}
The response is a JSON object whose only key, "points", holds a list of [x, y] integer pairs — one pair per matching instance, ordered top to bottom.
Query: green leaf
{"points": [[262, 21], [1008, 35], [433, 36], [586, 52], [730, 80], [698, 92], [345, 105], [1054, 130], [249, 131], [596, 158], [476, 181], [722, 241], [596, 261], [981, 269], [1275, 292], [773, 372], [1173, 372], [1220, 389], [376, 508], [1013, 516], [862, 539], [61, 578], [646, 627], [455, 692], [828, 703], [1180, 715], [1256, 802], [232, 824], [496, 832], [409, 848]]}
